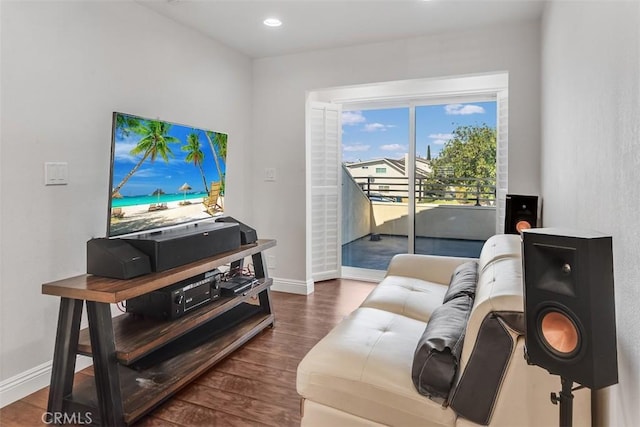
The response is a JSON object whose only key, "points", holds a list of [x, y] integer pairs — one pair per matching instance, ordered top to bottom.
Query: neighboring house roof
{"points": [[390, 162], [398, 164], [423, 167], [422, 170]]}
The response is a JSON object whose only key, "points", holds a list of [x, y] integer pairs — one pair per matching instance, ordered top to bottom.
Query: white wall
{"points": [[66, 66], [281, 83], [591, 158], [356, 210], [441, 221]]}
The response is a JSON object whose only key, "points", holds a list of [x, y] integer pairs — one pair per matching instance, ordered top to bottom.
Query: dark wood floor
{"points": [[254, 386]]}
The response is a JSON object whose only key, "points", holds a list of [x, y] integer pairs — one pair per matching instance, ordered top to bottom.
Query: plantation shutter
{"points": [[324, 136], [502, 158]]}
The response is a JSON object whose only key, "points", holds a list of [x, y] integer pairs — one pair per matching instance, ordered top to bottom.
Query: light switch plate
{"points": [[56, 173], [269, 174]]}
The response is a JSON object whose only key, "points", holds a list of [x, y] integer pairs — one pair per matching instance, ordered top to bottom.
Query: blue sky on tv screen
{"points": [[384, 133], [159, 174]]}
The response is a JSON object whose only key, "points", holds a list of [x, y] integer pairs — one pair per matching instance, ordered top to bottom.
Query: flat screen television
{"points": [[163, 175]]}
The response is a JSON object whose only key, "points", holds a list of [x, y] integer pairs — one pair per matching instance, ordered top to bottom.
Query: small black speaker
{"points": [[521, 213], [247, 234], [115, 258], [570, 327]]}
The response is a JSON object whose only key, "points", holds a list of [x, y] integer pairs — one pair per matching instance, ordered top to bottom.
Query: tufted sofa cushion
{"points": [[498, 247], [413, 298], [363, 367]]}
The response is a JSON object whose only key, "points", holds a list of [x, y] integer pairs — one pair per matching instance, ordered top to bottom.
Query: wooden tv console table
{"points": [[123, 391]]}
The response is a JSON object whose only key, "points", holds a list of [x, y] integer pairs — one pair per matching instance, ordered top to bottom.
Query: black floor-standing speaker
{"points": [[521, 213], [570, 327]]}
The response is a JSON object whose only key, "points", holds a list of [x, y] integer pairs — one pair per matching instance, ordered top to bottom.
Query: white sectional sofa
{"points": [[361, 372]]}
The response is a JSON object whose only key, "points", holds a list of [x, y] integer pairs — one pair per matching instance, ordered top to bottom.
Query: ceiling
{"points": [[321, 24]]}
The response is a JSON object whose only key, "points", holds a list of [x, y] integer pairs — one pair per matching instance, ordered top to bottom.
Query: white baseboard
{"points": [[363, 274], [292, 286], [32, 380]]}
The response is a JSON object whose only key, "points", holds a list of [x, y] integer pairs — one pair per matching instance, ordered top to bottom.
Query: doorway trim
{"points": [[403, 93]]}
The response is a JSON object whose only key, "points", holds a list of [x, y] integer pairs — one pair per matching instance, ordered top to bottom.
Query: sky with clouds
{"points": [[371, 134], [169, 176]]}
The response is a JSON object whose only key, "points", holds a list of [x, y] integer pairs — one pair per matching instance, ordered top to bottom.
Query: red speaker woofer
{"points": [[521, 213], [523, 225], [559, 333]]}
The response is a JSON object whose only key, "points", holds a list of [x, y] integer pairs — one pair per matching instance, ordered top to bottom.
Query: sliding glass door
{"points": [[455, 177], [417, 179], [374, 186]]}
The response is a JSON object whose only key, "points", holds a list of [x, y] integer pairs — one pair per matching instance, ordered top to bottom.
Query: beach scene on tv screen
{"points": [[164, 174]]}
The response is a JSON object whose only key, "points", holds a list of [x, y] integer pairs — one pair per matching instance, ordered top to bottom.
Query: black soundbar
{"points": [[182, 245], [128, 257]]}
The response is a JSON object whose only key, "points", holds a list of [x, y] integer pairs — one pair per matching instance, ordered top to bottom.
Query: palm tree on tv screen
{"points": [[126, 124], [220, 141], [154, 142], [218, 144], [195, 155]]}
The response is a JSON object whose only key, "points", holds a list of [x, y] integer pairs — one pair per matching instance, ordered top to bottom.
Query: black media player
{"points": [[238, 285], [178, 299]]}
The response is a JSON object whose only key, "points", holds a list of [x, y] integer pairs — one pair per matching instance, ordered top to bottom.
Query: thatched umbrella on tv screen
{"points": [[184, 188], [158, 192]]}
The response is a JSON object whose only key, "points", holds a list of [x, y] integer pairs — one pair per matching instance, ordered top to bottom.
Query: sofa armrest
{"points": [[431, 268]]}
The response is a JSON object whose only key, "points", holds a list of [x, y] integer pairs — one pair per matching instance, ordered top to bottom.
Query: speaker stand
{"points": [[566, 401]]}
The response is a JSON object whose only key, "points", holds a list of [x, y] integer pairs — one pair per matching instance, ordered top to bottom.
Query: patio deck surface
{"points": [[367, 253]]}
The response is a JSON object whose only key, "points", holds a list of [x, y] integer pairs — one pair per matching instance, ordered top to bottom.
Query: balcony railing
{"points": [[476, 191], [447, 210]]}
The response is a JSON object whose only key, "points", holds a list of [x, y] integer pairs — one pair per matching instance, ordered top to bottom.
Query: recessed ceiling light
{"points": [[272, 22]]}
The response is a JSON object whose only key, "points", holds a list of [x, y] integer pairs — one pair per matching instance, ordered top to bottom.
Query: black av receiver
{"points": [[174, 301]]}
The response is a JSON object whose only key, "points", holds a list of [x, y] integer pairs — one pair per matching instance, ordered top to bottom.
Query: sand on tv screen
{"points": [[163, 174]]}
